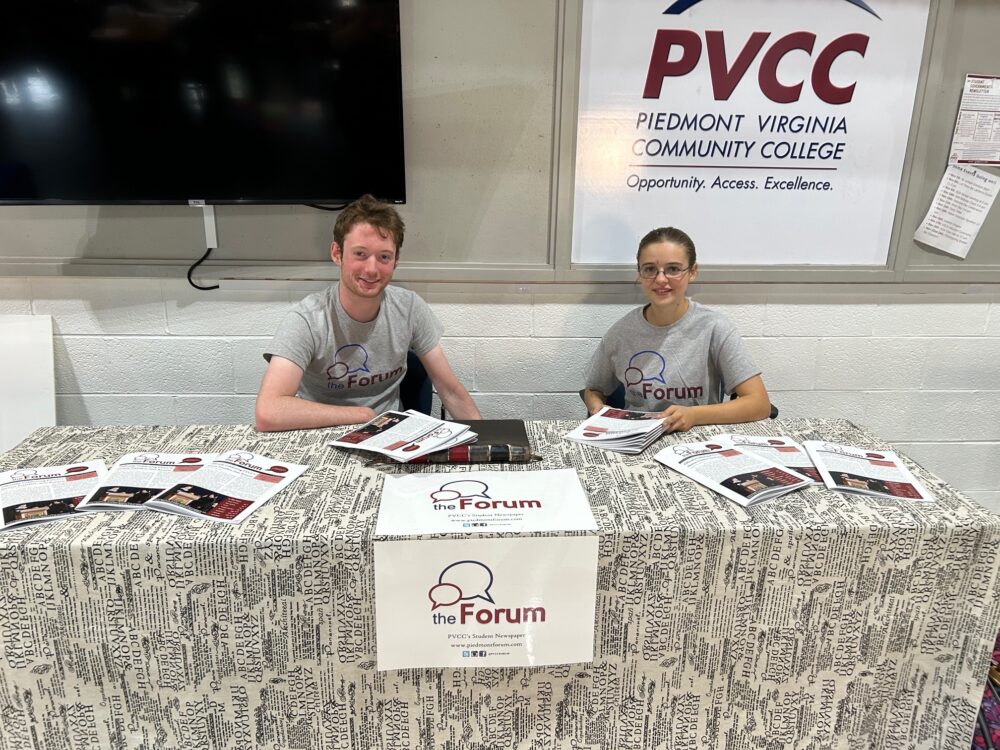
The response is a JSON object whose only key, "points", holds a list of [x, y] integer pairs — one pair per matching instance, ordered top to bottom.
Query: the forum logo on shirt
{"points": [[350, 369], [646, 369]]}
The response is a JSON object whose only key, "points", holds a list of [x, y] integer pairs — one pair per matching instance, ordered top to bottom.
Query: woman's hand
{"points": [[595, 400], [678, 418]]}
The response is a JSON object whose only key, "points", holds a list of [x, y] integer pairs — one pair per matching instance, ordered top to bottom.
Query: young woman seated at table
{"points": [[676, 357]]}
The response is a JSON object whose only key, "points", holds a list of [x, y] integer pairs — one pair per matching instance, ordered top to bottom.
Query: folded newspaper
{"points": [[619, 430], [405, 435], [780, 449], [865, 472], [136, 478], [745, 478], [229, 488], [47, 492]]}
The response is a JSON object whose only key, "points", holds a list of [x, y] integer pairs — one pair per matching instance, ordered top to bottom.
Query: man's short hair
{"points": [[369, 210]]}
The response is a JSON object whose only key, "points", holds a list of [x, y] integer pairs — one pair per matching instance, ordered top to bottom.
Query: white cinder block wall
{"points": [[921, 371]]}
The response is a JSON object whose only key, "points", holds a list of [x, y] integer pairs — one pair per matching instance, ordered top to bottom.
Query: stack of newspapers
{"points": [[619, 430], [405, 435], [748, 469], [860, 471], [744, 476], [215, 486]]}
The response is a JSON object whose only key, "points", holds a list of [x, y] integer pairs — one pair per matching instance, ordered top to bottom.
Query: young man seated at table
{"points": [[339, 355]]}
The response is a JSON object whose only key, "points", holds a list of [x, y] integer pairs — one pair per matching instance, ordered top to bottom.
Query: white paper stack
{"points": [[619, 430], [405, 435], [780, 449], [860, 471], [743, 477], [136, 478], [228, 489], [46, 493]]}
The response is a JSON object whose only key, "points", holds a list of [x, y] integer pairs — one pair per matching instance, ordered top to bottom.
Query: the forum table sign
{"points": [[484, 501], [473, 602], [514, 602]]}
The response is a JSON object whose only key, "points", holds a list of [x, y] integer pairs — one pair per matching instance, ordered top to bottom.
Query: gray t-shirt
{"points": [[697, 360], [348, 363]]}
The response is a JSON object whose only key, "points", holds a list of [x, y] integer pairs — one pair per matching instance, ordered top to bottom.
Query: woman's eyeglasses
{"points": [[649, 271]]}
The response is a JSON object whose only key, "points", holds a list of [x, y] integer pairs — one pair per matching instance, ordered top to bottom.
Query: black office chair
{"points": [[415, 388], [616, 400]]}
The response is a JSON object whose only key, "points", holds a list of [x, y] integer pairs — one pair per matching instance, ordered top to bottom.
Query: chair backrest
{"points": [[415, 388], [616, 399]]}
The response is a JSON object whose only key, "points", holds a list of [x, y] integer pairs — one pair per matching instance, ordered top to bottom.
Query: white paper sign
{"points": [[757, 126], [977, 129], [958, 210], [484, 501], [514, 602]]}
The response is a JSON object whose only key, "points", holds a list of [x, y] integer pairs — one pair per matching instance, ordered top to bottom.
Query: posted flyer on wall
{"points": [[977, 128], [961, 203], [484, 501], [513, 602]]}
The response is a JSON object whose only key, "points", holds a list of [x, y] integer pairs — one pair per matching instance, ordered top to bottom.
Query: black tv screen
{"points": [[227, 101]]}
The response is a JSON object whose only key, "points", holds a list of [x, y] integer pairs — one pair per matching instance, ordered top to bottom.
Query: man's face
{"points": [[366, 261]]}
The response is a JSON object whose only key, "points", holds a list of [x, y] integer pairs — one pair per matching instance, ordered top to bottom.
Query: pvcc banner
{"points": [[771, 131]]}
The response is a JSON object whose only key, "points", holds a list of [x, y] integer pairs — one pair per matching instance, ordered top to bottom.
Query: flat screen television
{"points": [[226, 101]]}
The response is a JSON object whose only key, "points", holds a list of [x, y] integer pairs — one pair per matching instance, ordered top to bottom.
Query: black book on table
{"points": [[498, 431], [497, 441]]}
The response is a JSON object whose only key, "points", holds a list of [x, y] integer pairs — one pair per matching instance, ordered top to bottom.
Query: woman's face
{"points": [[668, 262]]}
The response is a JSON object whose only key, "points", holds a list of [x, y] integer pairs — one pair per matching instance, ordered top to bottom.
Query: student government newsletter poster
{"points": [[772, 131]]}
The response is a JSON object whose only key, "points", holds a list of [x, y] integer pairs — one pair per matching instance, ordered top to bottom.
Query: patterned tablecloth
{"points": [[814, 620]]}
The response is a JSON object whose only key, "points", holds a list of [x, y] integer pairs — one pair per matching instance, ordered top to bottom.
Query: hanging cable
{"points": [[196, 264]]}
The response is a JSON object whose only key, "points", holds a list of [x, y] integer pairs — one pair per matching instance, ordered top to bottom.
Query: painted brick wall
{"points": [[923, 372]]}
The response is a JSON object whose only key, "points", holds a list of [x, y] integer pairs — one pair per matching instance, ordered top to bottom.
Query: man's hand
{"points": [[278, 408]]}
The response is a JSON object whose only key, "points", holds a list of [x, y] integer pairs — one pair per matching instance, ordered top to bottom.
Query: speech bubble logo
{"points": [[353, 356], [650, 364], [336, 371], [240, 456], [146, 458], [26, 474], [460, 488], [444, 496], [471, 577], [444, 595]]}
